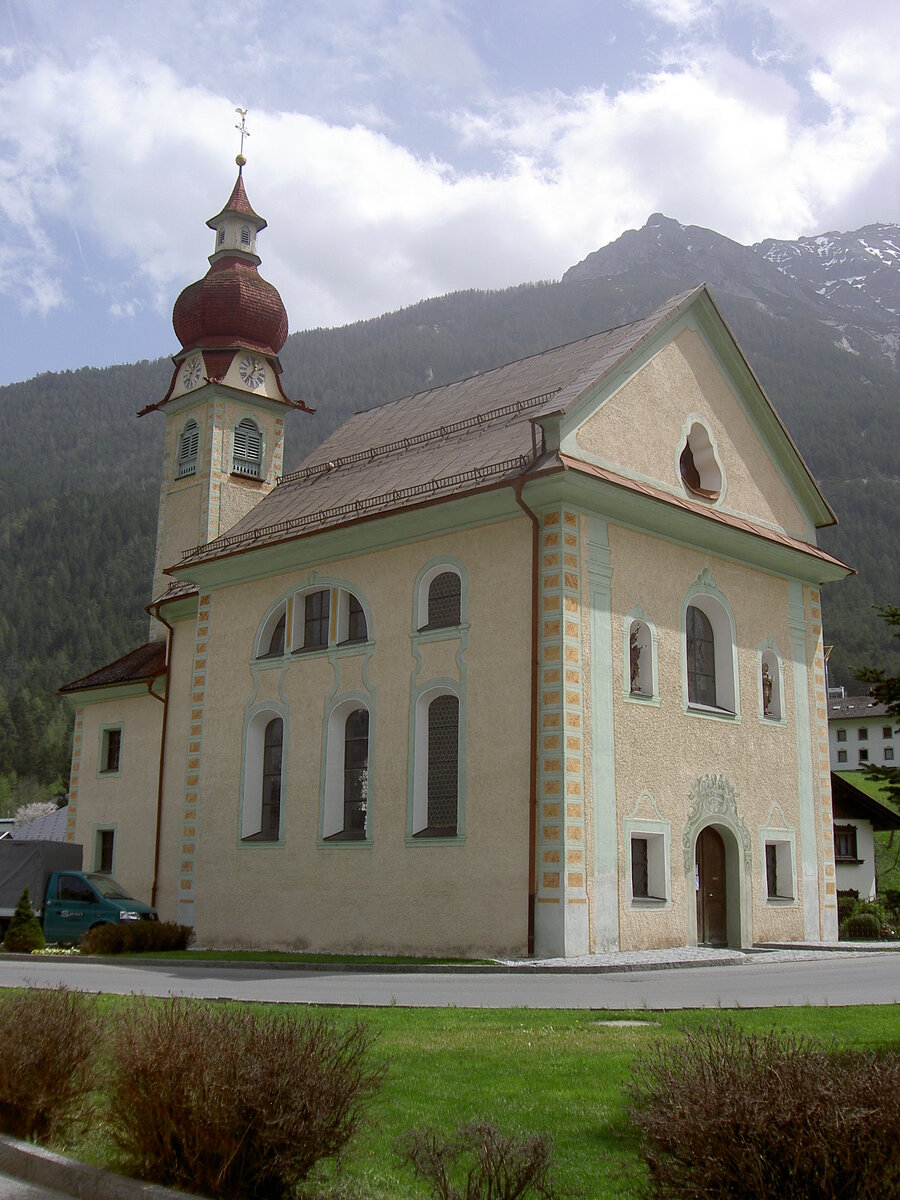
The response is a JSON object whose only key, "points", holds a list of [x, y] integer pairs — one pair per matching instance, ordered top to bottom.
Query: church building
{"points": [[529, 663]]}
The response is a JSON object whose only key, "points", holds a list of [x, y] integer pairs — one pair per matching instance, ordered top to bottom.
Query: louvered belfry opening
{"points": [[247, 456]]}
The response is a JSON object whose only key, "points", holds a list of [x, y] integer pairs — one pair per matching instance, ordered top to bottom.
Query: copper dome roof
{"points": [[232, 305]]}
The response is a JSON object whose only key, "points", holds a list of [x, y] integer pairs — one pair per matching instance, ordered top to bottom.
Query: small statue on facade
{"points": [[634, 654], [767, 687]]}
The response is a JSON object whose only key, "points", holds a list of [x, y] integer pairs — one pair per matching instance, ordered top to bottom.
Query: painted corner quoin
{"points": [[561, 911]]}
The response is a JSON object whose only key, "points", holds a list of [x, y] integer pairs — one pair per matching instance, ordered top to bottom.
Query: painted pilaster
{"points": [[192, 767], [75, 774], [809, 858], [605, 898], [561, 910], [828, 913]]}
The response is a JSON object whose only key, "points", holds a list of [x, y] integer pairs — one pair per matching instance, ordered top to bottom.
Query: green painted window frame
{"points": [[103, 771]]}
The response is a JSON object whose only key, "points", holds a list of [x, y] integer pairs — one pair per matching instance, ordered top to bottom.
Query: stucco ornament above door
{"points": [[713, 796]]}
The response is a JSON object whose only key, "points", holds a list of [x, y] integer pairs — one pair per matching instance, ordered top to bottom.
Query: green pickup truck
{"points": [[66, 900]]}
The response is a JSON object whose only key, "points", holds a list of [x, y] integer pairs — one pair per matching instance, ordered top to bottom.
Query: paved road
{"points": [[836, 980], [16, 1189]]}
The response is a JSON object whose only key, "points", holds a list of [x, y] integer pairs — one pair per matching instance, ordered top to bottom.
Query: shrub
{"points": [[846, 907], [864, 927], [24, 933], [132, 937], [48, 1045], [221, 1102], [748, 1117], [487, 1164]]}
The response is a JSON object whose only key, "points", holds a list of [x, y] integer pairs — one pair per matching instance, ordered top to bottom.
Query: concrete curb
{"points": [[522, 967], [35, 1165]]}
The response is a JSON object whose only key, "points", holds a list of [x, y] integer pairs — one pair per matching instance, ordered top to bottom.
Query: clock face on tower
{"points": [[193, 370], [252, 371]]}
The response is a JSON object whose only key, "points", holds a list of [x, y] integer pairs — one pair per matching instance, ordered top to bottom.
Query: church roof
{"points": [[467, 436], [142, 665]]}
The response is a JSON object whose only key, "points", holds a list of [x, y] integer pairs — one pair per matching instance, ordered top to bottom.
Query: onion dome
{"points": [[232, 305]]}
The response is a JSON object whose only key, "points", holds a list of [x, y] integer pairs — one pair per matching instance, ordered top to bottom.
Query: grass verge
{"points": [[556, 1072]]}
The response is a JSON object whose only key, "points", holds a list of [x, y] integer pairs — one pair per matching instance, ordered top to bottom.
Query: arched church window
{"points": [[245, 235], [701, 658]]}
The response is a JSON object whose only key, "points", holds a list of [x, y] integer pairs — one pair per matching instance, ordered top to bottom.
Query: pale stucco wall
{"points": [[642, 429], [662, 750], [124, 802], [389, 895]]}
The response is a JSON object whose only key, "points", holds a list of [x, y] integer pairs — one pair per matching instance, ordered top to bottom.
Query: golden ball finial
{"points": [[240, 160]]}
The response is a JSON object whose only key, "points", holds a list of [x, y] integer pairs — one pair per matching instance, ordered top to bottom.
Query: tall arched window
{"points": [[245, 235], [188, 447], [247, 459], [444, 600], [701, 658], [710, 671], [263, 757], [443, 766], [356, 773], [271, 781], [346, 792]]}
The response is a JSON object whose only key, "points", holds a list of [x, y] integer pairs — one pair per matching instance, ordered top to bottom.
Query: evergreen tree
{"points": [[24, 933]]}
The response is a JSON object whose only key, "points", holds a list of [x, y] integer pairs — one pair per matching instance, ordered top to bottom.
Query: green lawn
{"points": [[556, 1072]]}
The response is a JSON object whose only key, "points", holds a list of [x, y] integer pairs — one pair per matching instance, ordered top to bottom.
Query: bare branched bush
{"points": [[135, 937], [48, 1049], [218, 1101], [725, 1113], [478, 1162]]}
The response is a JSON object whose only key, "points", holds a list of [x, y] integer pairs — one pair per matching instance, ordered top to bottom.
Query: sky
{"points": [[407, 148]]}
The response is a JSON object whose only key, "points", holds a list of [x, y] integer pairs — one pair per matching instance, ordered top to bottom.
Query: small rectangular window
{"points": [[886, 731], [842, 735], [863, 735], [111, 751], [889, 754], [842, 755], [863, 756], [105, 843], [845, 843], [648, 866], [779, 868], [771, 870], [639, 878]]}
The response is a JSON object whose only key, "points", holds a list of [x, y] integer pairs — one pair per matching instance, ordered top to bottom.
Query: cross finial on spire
{"points": [[245, 133]]}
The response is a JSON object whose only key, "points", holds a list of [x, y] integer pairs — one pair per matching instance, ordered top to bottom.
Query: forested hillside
{"points": [[80, 474]]}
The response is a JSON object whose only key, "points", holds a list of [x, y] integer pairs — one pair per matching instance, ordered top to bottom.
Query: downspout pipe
{"points": [[535, 670], [164, 700]]}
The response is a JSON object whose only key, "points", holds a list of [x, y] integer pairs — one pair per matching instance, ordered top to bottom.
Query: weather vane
{"points": [[244, 132]]}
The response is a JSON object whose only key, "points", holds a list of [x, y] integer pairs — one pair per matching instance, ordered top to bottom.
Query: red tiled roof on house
{"points": [[142, 665]]}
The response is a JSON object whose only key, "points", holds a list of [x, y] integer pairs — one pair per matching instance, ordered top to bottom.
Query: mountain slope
{"points": [[79, 480]]}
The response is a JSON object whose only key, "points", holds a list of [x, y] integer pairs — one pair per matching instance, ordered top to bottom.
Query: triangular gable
{"points": [[686, 379]]}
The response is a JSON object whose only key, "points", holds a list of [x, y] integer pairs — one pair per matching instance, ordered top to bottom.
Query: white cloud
{"points": [[133, 152]]}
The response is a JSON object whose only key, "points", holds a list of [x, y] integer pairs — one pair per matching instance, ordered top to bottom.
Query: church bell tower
{"points": [[225, 407]]}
